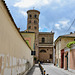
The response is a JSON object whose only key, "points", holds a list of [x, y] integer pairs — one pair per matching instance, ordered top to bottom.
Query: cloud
{"points": [[31, 3], [39, 3], [59, 12], [24, 13], [64, 23], [57, 26], [40, 28], [44, 28], [73, 28]]}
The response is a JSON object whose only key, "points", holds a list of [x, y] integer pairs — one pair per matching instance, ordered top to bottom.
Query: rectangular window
{"points": [[33, 52], [51, 56]]}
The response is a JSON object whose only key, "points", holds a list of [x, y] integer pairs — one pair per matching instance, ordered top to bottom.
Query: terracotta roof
{"points": [[13, 21]]}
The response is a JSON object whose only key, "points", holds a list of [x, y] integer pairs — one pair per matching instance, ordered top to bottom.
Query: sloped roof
{"points": [[69, 35], [66, 36]]}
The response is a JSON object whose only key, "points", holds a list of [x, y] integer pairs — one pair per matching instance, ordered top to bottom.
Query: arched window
{"points": [[30, 15], [35, 16], [35, 22], [29, 27], [35, 27], [43, 40], [43, 51]]}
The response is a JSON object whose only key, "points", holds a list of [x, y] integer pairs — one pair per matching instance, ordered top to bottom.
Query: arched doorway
{"points": [[42, 55]]}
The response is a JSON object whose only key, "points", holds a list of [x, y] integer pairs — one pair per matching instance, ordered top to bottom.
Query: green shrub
{"points": [[28, 43], [70, 43]]}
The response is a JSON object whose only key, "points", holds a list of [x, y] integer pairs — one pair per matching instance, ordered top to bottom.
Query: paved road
{"points": [[35, 70], [52, 70]]}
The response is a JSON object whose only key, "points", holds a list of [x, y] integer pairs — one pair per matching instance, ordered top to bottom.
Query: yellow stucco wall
{"points": [[31, 36], [64, 41], [61, 44], [14, 52]]}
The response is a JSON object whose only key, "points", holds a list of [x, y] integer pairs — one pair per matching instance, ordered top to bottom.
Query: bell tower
{"points": [[33, 20], [33, 26]]}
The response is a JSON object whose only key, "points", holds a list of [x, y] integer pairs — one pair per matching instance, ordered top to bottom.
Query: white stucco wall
{"points": [[14, 52]]}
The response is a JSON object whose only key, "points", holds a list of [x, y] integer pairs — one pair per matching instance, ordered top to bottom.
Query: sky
{"points": [[55, 15]]}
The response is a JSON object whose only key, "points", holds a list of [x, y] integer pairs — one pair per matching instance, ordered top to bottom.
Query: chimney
{"points": [[70, 32]]}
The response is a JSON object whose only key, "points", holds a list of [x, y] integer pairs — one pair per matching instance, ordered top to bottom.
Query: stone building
{"points": [[33, 26], [43, 40], [60, 44], [46, 46]]}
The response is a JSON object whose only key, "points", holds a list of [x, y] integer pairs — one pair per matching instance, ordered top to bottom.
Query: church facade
{"points": [[43, 40], [46, 46]]}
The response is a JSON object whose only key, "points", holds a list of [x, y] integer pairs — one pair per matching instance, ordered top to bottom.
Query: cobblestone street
{"points": [[50, 69]]}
